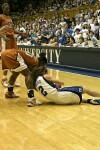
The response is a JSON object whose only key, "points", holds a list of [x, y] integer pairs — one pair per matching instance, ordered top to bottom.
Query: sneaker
{"points": [[4, 82], [17, 84], [11, 95], [94, 101], [33, 102], [38, 102]]}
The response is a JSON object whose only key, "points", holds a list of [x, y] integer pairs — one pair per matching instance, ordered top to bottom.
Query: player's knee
{"points": [[85, 90]]}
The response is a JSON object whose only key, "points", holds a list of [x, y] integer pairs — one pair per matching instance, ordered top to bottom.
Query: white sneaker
{"points": [[4, 82], [17, 84], [94, 101], [33, 102], [38, 102]]}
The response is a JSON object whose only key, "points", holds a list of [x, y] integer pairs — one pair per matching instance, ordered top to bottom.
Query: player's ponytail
{"points": [[42, 59], [38, 71]]}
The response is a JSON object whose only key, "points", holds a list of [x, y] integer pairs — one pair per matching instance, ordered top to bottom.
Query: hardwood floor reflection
{"points": [[49, 126]]}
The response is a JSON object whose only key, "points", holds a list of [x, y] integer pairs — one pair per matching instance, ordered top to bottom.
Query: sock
{"points": [[10, 88], [30, 93]]}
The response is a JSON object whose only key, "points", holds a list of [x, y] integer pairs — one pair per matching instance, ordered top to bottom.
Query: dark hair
{"points": [[77, 29], [72, 39], [42, 59], [38, 71]]}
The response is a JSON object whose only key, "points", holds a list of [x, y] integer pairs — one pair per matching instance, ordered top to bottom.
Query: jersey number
{"points": [[42, 91]]}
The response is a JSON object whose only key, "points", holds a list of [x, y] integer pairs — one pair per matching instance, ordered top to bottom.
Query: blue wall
{"points": [[87, 59]]}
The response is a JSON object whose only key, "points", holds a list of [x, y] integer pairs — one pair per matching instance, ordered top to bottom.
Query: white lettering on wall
{"points": [[37, 52], [57, 52], [51, 54]]}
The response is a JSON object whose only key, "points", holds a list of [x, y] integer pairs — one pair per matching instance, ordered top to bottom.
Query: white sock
{"points": [[4, 77]]}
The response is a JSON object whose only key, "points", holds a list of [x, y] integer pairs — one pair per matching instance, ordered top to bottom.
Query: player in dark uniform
{"points": [[19, 61]]}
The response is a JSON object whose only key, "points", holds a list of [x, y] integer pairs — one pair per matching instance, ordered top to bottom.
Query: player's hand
{"points": [[6, 38], [61, 83], [58, 85]]}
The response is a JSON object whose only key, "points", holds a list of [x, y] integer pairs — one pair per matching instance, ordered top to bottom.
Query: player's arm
{"points": [[0, 21], [2, 30], [17, 32], [3, 35], [53, 80]]}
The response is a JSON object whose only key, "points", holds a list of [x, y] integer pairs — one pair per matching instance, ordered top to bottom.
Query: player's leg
{"points": [[12, 79], [4, 80], [91, 93], [32, 101]]}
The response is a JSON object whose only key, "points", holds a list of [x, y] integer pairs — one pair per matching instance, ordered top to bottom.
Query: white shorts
{"points": [[22, 66], [69, 95], [67, 98]]}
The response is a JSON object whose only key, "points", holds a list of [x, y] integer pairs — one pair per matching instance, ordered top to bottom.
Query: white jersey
{"points": [[49, 90]]}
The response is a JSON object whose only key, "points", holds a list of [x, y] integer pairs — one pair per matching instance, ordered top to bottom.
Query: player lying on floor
{"points": [[49, 88]]}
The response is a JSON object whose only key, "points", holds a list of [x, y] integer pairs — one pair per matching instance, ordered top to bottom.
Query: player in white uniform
{"points": [[48, 87], [67, 95]]}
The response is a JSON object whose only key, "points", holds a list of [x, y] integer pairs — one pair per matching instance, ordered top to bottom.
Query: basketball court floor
{"points": [[50, 126]]}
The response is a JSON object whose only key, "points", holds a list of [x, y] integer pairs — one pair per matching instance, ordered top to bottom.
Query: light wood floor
{"points": [[49, 126]]}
